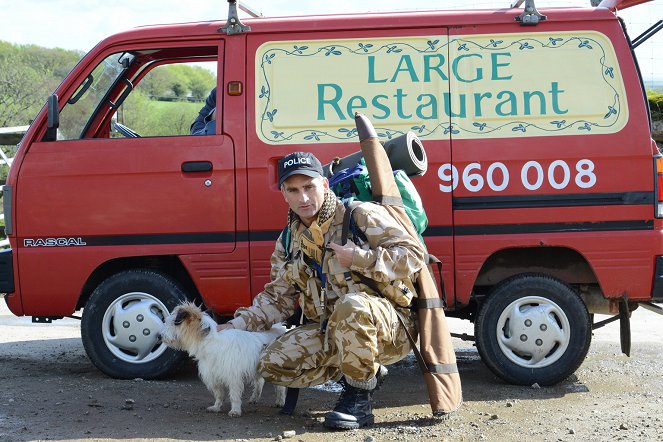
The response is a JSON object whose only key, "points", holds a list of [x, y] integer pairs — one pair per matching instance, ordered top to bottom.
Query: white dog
{"points": [[226, 359]]}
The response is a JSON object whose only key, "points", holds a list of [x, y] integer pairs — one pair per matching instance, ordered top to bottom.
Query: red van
{"points": [[544, 189]]}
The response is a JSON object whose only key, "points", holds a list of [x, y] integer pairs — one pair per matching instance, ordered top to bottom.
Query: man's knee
{"points": [[350, 306], [271, 362], [266, 370]]}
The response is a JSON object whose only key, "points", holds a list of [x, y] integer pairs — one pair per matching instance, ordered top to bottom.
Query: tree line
{"points": [[28, 74]]}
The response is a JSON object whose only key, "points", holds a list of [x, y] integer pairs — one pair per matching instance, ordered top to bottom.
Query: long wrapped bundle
{"points": [[439, 359]]}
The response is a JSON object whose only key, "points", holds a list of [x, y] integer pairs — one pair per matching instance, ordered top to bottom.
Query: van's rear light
{"points": [[659, 186]]}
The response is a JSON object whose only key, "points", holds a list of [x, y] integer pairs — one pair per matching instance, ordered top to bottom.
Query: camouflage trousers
{"points": [[363, 332]]}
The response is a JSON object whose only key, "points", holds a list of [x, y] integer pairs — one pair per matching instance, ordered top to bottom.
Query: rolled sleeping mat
{"points": [[405, 152]]}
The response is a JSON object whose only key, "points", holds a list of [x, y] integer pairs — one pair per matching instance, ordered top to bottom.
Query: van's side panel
{"points": [[303, 90], [567, 163]]}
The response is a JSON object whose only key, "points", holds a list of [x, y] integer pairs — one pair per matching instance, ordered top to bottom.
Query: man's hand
{"points": [[344, 253], [226, 326]]}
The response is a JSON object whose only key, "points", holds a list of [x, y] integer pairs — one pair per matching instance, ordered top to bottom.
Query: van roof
{"points": [[370, 20]]}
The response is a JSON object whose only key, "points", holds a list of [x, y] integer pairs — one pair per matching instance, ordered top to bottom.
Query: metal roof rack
{"points": [[249, 10], [530, 16], [234, 25]]}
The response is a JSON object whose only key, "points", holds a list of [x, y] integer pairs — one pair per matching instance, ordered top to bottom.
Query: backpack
{"points": [[352, 186]]}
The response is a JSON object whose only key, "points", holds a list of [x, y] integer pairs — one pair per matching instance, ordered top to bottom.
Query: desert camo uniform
{"points": [[362, 328]]}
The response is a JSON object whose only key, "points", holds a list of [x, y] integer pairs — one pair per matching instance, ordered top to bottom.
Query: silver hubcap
{"points": [[131, 327], [533, 332]]}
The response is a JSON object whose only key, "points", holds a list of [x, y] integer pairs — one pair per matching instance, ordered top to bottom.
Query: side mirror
{"points": [[53, 118]]}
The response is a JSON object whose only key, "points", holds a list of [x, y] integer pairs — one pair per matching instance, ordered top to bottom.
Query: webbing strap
{"points": [[389, 200], [370, 283], [430, 303], [413, 343], [425, 367], [443, 368]]}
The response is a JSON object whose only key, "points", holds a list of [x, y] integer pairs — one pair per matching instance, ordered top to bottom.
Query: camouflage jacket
{"points": [[389, 256]]}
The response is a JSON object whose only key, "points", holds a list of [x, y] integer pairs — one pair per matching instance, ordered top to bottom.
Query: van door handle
{"points": [[197, 166]]}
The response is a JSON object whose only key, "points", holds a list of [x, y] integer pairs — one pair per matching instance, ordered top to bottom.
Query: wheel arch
{"points": [[563, 263], [167, 264]]}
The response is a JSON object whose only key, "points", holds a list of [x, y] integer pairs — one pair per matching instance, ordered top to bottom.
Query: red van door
{"points": [[95, 198]]}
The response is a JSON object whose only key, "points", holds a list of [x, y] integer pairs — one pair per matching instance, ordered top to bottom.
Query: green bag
{"points": [[353, 184]]}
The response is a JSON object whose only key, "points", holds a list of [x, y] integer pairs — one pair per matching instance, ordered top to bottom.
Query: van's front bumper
{"points": [[6, 271], [657, 292]]}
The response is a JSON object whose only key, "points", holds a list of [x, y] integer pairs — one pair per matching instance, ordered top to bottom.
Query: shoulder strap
{"points": [[347, 219], [285, 241]]}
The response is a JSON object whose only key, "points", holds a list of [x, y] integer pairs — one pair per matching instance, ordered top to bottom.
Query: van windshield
{"points": [[76, 114]]}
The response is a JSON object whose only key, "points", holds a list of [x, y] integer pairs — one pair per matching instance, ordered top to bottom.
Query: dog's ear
{"points": [[181, 316]]}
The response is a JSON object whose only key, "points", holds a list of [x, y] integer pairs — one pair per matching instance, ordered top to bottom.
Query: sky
{"points": [[76, 24]]}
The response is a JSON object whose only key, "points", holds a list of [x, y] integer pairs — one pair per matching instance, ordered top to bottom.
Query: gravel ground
{"points": [[50, 391]]}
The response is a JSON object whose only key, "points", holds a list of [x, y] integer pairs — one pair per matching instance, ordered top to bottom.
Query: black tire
{"points": [[121, 322], [533, 329]]}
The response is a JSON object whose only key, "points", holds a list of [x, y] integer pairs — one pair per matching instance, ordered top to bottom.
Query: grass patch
{"points": [[152, 118]]}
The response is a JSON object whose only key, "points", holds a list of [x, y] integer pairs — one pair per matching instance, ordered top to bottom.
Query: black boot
{"points": [[353, 409]]}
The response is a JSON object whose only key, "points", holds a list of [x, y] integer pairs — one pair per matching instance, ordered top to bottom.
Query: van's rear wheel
{"points": [[121, 323], [533, 329]]}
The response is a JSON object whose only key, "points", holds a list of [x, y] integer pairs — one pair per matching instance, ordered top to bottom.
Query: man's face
{"points": [[305, 196]]}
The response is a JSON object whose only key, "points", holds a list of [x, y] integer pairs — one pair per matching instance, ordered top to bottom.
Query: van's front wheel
{"points": [[121, 323], [533, 329]]}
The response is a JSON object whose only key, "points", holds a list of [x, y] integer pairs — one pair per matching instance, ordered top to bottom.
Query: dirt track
{"points": [[50, 390]]}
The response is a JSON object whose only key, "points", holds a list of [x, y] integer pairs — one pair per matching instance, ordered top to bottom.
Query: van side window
{"points": [[146, 93], [167, 100]]}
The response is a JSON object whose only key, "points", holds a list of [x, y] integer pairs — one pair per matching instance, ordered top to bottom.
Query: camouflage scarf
{"points": [[312, 240]]}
